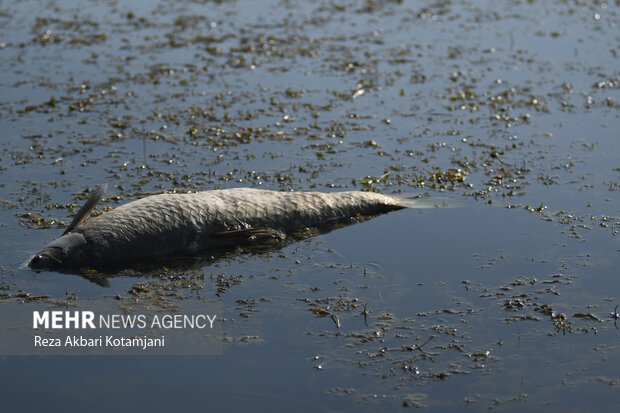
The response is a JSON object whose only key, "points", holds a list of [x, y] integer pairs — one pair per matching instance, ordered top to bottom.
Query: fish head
{"points": [[59, 253]]}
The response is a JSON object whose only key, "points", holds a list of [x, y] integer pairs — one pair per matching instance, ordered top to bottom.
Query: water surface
{"points": [[509, 110]]}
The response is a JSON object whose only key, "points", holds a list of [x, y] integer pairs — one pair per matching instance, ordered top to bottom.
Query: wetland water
{"points": [[509, 109]]}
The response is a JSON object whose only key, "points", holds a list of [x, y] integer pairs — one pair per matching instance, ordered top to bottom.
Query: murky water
{"points": [[509, 110]]}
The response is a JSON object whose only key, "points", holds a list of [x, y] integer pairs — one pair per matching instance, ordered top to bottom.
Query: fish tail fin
{"points": [[421, 202]]}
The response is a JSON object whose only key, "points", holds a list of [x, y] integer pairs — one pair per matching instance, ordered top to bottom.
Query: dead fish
{"points": [[167, 224]]}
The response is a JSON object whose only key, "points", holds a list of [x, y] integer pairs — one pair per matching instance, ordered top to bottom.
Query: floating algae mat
{"points": [[509, 301]]}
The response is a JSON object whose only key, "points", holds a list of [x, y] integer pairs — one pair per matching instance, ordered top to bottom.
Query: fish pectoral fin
{"points": [[84, 212], [251, 234], [100, 280]]}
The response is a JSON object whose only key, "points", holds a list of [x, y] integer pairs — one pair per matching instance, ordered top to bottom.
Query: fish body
{"points": [[168, 224]]}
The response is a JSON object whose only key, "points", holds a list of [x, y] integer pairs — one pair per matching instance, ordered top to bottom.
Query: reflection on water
{"points": [[504, 302]]}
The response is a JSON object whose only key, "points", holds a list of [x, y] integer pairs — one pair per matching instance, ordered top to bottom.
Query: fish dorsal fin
{"points": [[83, 213]]}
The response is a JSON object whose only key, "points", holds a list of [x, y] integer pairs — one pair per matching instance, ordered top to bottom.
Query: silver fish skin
{"points": [[167, 224]]}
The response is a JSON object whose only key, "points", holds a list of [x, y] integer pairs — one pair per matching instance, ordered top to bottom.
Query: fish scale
{"points": [[169, 224]]}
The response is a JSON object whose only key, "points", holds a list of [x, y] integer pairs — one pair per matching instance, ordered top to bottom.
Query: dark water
{"points": [[509, 110]]}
